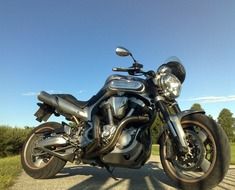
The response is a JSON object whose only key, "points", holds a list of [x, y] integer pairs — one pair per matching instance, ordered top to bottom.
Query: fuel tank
{"points": [[125, 84]]}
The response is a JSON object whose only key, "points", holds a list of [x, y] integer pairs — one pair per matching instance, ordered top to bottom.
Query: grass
{"points": [[232, 146], [155, 151], [9, 169]]}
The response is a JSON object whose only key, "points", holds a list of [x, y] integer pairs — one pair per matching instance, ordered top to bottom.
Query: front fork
{"points": [[174, 124]]}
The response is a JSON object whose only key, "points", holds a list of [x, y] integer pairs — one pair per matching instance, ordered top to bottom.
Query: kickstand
{"points": [[110, 171]]}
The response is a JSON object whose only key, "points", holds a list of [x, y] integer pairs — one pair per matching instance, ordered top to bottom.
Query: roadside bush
{"points": [[12, 139]]}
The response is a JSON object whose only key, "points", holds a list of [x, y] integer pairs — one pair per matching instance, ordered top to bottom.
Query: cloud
{"points": [[50, 92], [37, 93], [30, 94], [211, 99]]}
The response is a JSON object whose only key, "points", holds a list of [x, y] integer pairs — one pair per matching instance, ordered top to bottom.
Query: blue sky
{"points": [[69, 47]]}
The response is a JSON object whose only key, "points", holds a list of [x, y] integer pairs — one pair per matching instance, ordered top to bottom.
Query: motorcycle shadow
{"points": [[150, 176]]}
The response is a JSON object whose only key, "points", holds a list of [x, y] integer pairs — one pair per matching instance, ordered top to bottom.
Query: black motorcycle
{"points": [[113, 129]]}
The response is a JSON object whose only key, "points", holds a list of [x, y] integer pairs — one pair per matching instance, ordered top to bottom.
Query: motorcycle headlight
{"points": [[169, 85]]}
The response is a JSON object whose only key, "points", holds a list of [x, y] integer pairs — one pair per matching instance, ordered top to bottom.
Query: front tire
{"points": [[209, 157], [43, 166]]}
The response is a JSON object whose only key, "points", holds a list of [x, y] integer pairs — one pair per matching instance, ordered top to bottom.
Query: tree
{"points": [[196, 107], [210, 116], [226, 121], [155, 129], [12, 140]]}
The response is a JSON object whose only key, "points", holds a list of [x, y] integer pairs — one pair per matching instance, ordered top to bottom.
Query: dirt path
{"points": [[85, 177]]}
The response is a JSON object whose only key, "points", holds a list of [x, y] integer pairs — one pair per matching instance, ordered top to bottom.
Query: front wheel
{"points": [[208, 158]]}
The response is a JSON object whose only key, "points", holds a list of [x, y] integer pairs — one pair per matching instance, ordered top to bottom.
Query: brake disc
{"points": [[192, 160]]}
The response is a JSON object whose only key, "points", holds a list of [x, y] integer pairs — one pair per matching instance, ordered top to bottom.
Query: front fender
{"points": [[180, 115]]}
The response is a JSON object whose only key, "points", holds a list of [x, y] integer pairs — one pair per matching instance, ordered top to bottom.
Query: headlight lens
{"points": [[169, 84]]}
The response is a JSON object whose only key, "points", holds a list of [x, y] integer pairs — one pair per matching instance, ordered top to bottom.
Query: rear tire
{"points": [[217, 161], [51, 166]]}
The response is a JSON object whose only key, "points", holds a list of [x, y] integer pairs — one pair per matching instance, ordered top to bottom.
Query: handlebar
{"points": [[135, 68], [122, 69], [130, 70], [134, 71]]}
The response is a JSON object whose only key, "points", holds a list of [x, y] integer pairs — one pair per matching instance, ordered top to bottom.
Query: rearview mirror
{"points": [[121, 51]]}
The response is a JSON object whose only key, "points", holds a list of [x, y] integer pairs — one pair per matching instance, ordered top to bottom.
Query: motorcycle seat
{"points": [[70, 98], [81, 104]]}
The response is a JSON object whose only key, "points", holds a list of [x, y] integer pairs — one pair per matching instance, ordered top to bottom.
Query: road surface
{"points": [[85, 177]]}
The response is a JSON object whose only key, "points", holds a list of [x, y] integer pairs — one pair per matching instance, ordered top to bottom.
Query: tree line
{"points": [[225, 120], [12, 139]]}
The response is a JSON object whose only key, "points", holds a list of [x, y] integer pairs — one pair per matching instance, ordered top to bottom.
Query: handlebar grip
{"points": [[120, 69]]}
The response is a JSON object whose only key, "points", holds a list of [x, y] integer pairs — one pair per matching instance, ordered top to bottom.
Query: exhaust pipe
{"points": [[62, 105], [121, 126], [113, 142]]}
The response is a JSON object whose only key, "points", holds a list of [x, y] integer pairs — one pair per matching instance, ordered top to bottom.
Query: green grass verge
{"points": [[155, 151], [9, 168]]}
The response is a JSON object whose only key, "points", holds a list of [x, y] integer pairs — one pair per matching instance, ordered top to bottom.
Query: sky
{"points": [[69, 47]]}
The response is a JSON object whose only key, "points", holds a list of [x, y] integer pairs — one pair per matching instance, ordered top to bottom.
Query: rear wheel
{"points": [[207, 161], [37, 163]]}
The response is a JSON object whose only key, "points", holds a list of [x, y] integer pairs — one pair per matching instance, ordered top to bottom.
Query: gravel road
{"points": [[85, 177]]}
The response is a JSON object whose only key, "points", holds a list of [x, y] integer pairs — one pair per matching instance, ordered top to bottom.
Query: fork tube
{"points": [[176, 107], [166, 116], [174, 125]]}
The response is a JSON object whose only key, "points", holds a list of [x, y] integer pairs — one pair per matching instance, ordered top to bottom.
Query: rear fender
{"points": [[44, 112], [180, 115]]}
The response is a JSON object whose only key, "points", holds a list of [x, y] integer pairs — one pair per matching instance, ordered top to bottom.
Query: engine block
{"points": [[119, 105]]}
